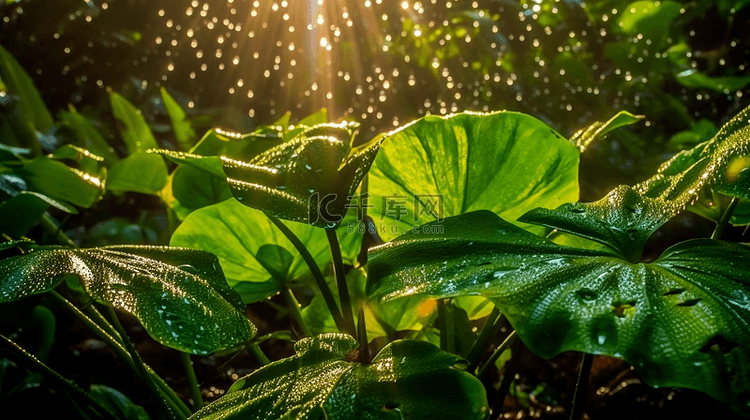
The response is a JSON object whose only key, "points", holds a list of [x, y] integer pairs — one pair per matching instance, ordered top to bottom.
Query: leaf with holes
{"points": [[722, 163], [438, 167], [179, 295], [682, 320], [406, 380]]}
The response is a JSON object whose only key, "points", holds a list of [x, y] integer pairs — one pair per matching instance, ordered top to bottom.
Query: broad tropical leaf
{"points": [[722, 162], [438, 167], [140, 172], [60, 182], [256, 257], [179, 295], [683, 320], [407, 380]]}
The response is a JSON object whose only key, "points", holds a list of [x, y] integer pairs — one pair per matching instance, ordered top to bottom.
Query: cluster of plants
{"points": [[476, 219]]}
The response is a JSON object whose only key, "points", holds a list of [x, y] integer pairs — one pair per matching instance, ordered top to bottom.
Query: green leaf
{"points": [[651, 19], [18, 82], [725, 84], [134, 130], [183, 131], [87, 136], [583, 138], [87, 161], [722, 163], [445, 166], [140, 172], [309, 179], [60, 182], [192, 189], [20, 213], [238, 234], [179, 295], [381, 319], [683, 320], [406, 380], [117, 403]]}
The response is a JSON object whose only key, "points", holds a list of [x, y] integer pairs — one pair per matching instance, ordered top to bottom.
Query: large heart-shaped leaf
{"points": [[722, 162], [437, 167], [240, 236], [179, 295], [683, 320], [406, 380]]}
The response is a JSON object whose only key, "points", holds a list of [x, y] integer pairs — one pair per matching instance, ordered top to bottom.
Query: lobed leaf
{"points": [[179, 295], [683, 320], [406, 380]]}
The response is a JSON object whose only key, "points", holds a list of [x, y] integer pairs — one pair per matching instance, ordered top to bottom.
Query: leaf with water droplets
{"points": [[583, 138], [723, 163], [445, 166], [308, 179], [623, 220], [257, 258], [179, 295], [683, 320], [408, 379]]}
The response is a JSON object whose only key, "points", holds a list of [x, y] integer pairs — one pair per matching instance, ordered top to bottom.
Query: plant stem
{"points": [[725, 217], [49, 224], [338, 271], [320, 281], [293, 305], [442, 324], [490, 328], [113, 339], [498, 351], [259, 355], [364, 355], [32, 363], [582, 386], [195, 390], [167, 405]]}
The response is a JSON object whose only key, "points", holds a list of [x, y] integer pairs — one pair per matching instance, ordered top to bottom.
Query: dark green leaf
{"points": [[17, 82], [724, 84], [181, 127], [134, 130], [87, 161], [722, 162], [438, 167], [140, 172], [20, 213], [237, 234], [179, 295], [683, 320], [406, 380], [117, 403]]}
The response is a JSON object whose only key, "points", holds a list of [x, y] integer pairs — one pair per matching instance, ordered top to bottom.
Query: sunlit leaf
{"points": [[181, 127], [134, 130], [86, 136], [583, 138], [445, 166], [140, 172], [60, 182], [248, 244], [179, 295], [683, 320], [406, 380]]}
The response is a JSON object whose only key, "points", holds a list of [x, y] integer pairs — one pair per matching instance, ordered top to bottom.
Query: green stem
{"points": [[725, 217], [49, 224], [338, 271], [320, 281], [293, 305], [442, 324], [489, 330], [113, 339], [259, 355], [364, 355], [493, 358], [32, 363], [508, 378], [582, 385], [195, 390], [167, 405]]}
